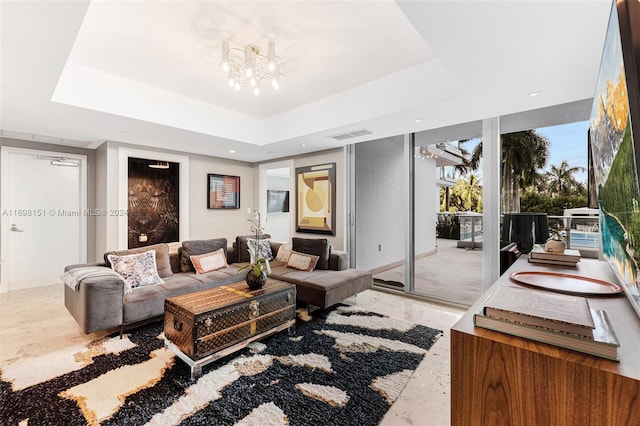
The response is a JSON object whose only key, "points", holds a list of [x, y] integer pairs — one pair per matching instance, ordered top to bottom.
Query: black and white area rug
{"points": [[343, 366]]}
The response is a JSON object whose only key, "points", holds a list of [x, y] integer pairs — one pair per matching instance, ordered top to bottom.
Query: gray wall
{"points": [[337, 156], [91, 178], [103, 190], [203, 223]]}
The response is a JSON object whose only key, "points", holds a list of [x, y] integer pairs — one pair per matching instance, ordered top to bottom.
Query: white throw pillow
{"points": [[284, 252], [209, 261], [302, 261], [137, 270]]}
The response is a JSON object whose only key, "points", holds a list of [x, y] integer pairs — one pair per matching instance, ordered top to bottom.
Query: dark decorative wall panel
{"points": [[153, 203]]}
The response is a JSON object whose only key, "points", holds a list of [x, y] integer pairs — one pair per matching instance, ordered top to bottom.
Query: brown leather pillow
{"points": [[196, 247], [320, 247], [163, 263]]}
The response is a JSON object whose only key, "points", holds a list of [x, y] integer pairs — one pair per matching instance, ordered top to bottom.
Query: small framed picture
{"points": [[223, 192]]}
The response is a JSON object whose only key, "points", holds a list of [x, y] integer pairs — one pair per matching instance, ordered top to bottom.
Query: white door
{"points": [[43, 216]]}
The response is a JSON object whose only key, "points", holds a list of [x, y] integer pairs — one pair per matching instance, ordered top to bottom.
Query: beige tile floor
{"points": [[35, 321]]}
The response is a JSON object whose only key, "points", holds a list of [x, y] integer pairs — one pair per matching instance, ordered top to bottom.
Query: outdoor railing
{"points": [[580, 232]]}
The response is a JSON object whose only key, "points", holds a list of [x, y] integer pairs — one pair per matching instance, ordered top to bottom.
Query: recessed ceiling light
{"points": [[534, 94], [417, 120], [125, 132], [303, 145], [232, 151]]}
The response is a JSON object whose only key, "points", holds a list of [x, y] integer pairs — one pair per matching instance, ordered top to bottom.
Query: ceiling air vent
{"points": [[362, 132], [352, 134], [342, 136]]}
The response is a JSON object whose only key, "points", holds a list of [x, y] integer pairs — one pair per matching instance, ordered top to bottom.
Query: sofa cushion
{"points": [[316, 246], [196, 247], [264, 248], [175, 250], [242, 252], [284, 252], [209, 261], [302, 261], [163, 262], [138, 270]]}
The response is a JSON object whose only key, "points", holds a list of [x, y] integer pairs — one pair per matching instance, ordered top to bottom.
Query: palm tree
{"points": [[523, 153], [561, 180], [470, 193]]}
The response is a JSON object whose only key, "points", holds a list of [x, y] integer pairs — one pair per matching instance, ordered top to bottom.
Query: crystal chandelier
{"points": [[250, 67]]}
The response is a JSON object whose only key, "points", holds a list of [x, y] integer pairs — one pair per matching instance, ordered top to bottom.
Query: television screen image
{"points": [[614, 162], [277, 201]]}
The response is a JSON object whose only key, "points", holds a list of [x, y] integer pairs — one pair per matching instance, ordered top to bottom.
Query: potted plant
{"points": [[556, 243], [257, 275]]}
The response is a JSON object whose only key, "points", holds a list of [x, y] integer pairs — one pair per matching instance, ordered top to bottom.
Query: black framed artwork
{"points": [[223, 191], [277, 201], [153, 202]]}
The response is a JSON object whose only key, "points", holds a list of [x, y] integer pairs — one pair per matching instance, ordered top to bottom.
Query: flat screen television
{"points": [[614, 149], [277, 201]]}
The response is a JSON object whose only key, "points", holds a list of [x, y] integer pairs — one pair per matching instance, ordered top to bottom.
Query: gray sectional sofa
{"points": [[98, 301]]}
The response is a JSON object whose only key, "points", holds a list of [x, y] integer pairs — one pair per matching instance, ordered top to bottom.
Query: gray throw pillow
{"points": [[197, 247], [320, 247], [163, 263]]}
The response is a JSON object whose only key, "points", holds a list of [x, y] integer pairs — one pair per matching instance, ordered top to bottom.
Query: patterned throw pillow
{"points": [[264, 248], [209, 261], [302, 261], [138, 270]]}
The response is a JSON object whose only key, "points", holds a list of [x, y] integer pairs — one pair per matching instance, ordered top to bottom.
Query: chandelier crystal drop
{"points": [[248, 67]]}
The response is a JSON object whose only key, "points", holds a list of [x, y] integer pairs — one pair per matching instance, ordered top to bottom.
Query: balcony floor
{"points": [[451, 274]]}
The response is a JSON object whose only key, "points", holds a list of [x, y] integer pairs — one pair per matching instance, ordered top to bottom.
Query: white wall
{"points": [[379, 171], [426, 192], [106, 198], [380, 203], [278, 223]]}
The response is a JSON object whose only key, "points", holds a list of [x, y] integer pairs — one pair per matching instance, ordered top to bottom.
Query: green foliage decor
{"points": [[615, 193], [532, 201]]}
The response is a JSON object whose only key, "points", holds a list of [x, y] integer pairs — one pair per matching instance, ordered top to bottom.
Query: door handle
{"points": [[14, 228]]}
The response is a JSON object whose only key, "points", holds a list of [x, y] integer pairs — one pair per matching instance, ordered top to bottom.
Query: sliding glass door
{"points": [[394, 207]]}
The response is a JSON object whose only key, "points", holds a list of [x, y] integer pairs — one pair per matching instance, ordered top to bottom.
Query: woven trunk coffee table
{"points": [[204, 326]]}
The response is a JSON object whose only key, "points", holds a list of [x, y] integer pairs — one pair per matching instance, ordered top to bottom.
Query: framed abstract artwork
{"points": [[223, 192], [316, 199]]}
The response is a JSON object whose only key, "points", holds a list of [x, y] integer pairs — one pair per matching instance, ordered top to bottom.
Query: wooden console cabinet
{"points": [[497, 379]]}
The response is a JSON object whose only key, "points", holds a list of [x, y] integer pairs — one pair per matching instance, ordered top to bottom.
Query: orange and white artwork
{"points": [[316, 199]]}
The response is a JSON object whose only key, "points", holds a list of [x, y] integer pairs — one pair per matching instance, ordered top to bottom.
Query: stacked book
{"points": [[568, 258], [557, 319]]}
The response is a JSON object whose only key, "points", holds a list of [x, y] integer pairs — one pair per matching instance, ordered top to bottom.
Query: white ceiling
{"points": [[146, 72]]}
